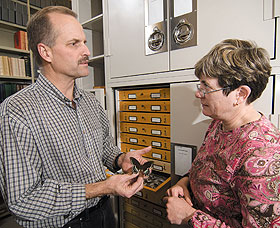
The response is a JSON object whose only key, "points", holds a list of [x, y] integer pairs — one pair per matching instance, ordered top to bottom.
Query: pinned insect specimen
{"points": [[144, 170]]}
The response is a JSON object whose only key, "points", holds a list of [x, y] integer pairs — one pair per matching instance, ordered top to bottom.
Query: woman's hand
{"points": [[181, 190], [178, 203], [178, 210]]}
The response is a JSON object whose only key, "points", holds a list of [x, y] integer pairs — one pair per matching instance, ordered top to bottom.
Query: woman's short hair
{"points": [[40, 28], [234, 63]]}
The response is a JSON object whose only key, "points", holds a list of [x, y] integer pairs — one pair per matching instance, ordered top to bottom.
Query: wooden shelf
{"points": [[20, 2], [36, 8], [11, 26], [14, 50], [15, 77]]}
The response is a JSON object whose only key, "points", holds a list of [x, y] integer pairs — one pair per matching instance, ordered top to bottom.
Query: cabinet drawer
{"points": [[147, 94], [145, 106], [153, 118], [146, 129], [156, 142], [163, 155], [161, 166], [154, 196], [147, 206], [138, 213], [145, 216], [137, 221], [129, 225]]}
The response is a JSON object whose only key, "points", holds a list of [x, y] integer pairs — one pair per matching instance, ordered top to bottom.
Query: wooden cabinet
{"points": [[144, 120]]}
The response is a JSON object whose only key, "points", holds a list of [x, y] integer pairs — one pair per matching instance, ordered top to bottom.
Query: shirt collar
{"points": [[45, 84]]}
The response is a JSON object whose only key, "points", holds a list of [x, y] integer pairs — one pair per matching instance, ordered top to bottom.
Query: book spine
{"points": [[11, 9], [19, 14], [24, 15], [20, 40], [1, 65], [5, 66], [27, 66]]}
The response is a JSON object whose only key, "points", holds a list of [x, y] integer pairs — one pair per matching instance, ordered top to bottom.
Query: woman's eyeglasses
{"points": [[202, 92]]}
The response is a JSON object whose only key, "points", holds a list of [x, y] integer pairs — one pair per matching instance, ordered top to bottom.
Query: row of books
{"points": [[44, 3], [13, 12], [17, 13], [21, 41], [18, 67], [7, 89]]}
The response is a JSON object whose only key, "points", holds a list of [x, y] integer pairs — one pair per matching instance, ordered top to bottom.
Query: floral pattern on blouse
{"points": [[235, 177]]}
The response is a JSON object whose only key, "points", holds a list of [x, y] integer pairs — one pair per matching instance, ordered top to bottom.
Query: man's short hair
{"points": [[41, 30]]}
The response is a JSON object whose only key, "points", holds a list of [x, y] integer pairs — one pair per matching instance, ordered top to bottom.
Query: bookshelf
{"points": [[14, 15], [15, 64]]}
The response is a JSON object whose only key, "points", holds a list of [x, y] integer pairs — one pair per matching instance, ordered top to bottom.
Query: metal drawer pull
{"points": [[183, 32], [156, 39]]}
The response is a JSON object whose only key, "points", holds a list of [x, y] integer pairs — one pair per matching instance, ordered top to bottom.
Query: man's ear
{"points": [[45, 52], [242, 94]]}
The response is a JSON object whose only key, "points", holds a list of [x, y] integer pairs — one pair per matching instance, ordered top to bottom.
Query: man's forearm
{"points": [[97, 189]]}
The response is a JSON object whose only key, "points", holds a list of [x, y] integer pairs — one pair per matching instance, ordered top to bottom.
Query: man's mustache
{"points": [[83, 60]]}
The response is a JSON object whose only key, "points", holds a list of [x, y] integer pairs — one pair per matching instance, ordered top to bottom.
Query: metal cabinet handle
{"points": [[183, 32], [156, 39]]}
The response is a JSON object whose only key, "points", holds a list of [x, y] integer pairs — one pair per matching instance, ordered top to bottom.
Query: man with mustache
{"points": [[56, 139]]}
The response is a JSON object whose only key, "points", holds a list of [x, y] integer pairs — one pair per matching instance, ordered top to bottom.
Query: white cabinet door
{"points": [[223, 19], [216, 20], [126, 44], [188, 124]]}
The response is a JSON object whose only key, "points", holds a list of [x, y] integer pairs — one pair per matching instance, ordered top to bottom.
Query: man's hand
{"points": [[124, 159], [122, 184], [125, 185]]}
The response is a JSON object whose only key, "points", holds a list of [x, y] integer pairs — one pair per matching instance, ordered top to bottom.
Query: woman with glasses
{"points": [[234, 180]]}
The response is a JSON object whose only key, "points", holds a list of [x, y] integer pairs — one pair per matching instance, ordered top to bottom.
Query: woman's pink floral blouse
{"points": [[235, 177]]}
